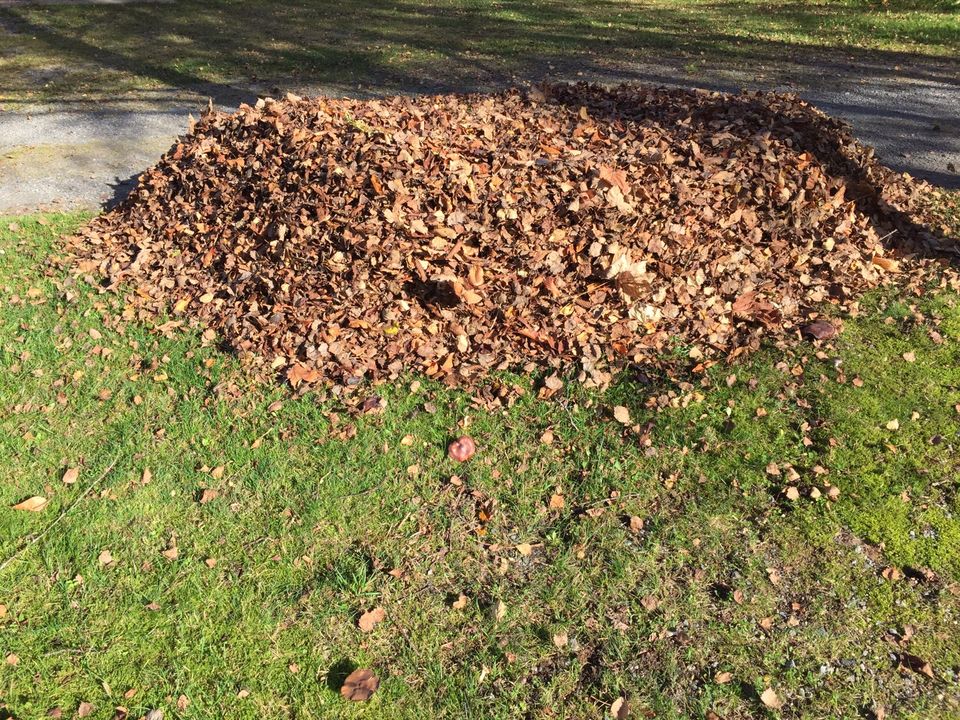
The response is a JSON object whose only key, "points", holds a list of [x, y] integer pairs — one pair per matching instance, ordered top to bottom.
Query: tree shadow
{"points": [[377, 47]]}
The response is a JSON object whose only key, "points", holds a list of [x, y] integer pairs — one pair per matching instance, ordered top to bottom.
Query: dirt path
{"points": [[63, 157]]}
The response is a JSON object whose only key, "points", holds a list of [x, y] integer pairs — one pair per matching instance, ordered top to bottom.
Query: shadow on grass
{"points": [[452, 45], [338, 672]]}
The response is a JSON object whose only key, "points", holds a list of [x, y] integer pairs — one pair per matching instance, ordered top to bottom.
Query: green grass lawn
{"points": [[76, 52], [223, 538]]}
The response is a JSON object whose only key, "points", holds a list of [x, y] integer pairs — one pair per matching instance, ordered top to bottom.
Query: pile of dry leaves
{"points": [[572, 226]]}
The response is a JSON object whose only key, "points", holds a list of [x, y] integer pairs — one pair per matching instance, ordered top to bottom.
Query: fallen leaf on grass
{"points": [[886, 263], [819, 330], [910, 356], [621, 414], [893, 424], [71, 475], [792, 493], [208, 495], [556, 502], [32, 504], [525, 549], [105, 558], [891, 573], [460, 603], [369, 620], [916, 664], [722, 678], [359, 685], [770, 698], [619, 709]]}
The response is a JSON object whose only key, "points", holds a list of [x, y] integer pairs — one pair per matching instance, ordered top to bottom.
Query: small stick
{"points": [[36, 538]]}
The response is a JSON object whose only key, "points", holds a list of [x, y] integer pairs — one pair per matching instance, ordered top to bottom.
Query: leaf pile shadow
{"points": [[569, 226]]}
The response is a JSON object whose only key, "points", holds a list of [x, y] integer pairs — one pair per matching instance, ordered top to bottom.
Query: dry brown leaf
{"points": [[621, 414], [71, 476], [208, 495], [31, 504], [460, 603], [369, 620], [917, 664], [359, 685], [770, 698], [620, 709]]}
